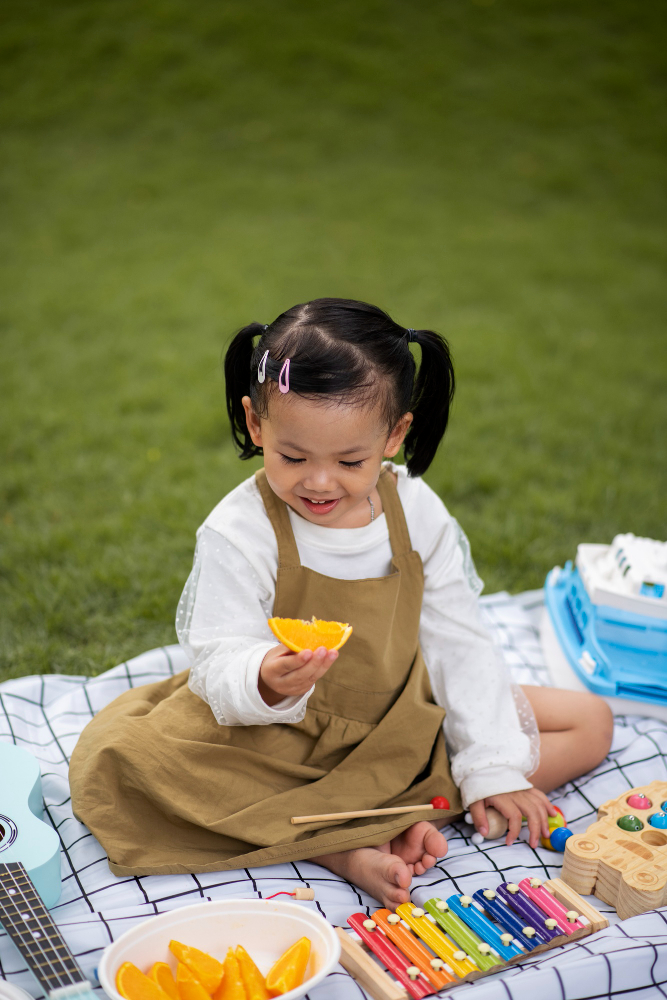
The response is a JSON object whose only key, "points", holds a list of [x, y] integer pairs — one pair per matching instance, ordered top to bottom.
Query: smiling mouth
{"points": [[319, 506]]}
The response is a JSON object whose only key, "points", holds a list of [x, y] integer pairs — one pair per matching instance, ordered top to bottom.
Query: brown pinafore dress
{"points": [[167, 789]]}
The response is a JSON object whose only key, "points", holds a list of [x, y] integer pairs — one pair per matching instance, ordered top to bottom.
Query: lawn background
{"points": [[171, 171]]}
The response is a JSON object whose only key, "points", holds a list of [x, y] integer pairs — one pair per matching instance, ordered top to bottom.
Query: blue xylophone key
{"points": [[489, 899], [464, 908], [527, 909]]}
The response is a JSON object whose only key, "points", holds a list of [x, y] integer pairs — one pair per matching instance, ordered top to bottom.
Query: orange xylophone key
{"points": [[413, 949]]}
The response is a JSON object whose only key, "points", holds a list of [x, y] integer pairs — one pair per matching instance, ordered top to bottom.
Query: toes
{"points": [[435, 844], [420, 869], [400, 874], [394, 897]]}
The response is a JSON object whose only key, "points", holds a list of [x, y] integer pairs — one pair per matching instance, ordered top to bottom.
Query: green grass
{"points": [[170, 171]]}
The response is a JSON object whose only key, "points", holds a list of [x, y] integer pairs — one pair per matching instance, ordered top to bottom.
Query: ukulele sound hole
{"points": [[8, 832]]}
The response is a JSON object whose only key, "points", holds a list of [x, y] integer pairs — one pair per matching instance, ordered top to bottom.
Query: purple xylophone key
{"points": [[527, 910]]}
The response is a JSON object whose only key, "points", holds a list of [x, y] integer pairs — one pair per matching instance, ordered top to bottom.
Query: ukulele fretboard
{"points": [[29, 925]]}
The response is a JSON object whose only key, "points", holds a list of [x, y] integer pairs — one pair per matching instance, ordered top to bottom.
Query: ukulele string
{"points": [[31, 940]]}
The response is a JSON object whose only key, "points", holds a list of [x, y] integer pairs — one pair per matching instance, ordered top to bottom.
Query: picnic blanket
{"points": [[45, 715]]}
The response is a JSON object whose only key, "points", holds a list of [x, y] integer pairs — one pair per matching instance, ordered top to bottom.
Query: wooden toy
{"points": [[438, 802], [497, 826], [622, 857], [460, 939]]}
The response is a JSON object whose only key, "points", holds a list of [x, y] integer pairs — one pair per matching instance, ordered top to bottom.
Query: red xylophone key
{"points": [[414, 981]]}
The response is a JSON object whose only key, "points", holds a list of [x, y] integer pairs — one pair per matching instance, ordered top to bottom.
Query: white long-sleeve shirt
{"points": [[222, 625]]}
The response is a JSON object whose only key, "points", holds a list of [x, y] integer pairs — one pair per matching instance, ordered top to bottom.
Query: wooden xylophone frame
{"points": [[356, 958]]}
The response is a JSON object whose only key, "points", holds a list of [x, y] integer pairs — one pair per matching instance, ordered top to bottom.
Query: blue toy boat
{"points": [[605, 626]]}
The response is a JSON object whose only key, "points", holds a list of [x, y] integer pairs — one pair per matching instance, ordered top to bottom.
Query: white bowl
{"points": [[265, 927]]}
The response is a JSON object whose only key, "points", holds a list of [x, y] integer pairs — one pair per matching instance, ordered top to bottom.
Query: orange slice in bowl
{"points": [[298, 635]]}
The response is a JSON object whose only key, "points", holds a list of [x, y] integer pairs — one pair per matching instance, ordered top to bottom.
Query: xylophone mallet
{"points": [[437, 802]]}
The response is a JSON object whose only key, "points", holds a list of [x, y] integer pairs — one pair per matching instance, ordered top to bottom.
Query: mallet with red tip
{"points": [[437, 802]]}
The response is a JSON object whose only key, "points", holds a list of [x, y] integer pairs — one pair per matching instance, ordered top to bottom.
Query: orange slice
{"points": [[297, 634], [206, 969], [289, 970], [161, 974], [253, 980], [132, 984], [232, 986], [189, 987]]}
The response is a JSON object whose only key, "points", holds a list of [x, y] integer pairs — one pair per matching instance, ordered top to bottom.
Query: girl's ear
{"points": [[253, 423], [397, 436]]}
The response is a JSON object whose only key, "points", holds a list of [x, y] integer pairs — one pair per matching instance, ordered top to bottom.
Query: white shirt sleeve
{"points": [[222, 625], [489, 752]]}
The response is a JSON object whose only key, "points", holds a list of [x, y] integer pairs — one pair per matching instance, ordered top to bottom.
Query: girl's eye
{"points": [[291, 461], [353, 465]]}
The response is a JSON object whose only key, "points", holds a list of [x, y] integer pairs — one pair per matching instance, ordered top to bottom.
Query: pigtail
{"points": [[238, 382], [431, 401]]}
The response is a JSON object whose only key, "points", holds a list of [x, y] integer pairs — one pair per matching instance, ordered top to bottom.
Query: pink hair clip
{"points": [[261, 368], [283, 378]]}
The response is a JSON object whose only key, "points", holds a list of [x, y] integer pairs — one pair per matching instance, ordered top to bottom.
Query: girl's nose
{"points": [[319, 481]]}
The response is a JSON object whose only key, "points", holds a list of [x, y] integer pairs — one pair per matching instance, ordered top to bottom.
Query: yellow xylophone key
{"points": [[413, 949], [456, 959]]}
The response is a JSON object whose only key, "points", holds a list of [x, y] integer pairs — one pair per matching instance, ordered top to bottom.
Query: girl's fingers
{"points": [[478, 813], [514, 820], [534, 827]]}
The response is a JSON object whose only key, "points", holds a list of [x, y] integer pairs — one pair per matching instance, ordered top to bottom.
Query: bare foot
{"points": [[419, 846], [381, 874]]}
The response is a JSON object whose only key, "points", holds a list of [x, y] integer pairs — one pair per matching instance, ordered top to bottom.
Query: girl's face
{"points": [[324, 459]]}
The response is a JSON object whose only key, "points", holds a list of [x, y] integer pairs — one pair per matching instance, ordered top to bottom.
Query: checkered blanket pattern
{"points": [[45, 715]]}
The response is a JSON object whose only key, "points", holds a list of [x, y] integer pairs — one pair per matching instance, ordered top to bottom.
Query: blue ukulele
{"points": [[30, 878]]}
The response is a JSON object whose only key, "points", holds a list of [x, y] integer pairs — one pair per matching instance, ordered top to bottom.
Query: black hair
{"points": [[349, 349]]}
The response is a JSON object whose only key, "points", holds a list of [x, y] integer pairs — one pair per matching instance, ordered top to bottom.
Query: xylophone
{"points": [[622, 857], [461, 938]]}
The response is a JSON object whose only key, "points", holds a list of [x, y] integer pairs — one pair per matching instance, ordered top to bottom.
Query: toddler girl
{"points": [[203, 771]]}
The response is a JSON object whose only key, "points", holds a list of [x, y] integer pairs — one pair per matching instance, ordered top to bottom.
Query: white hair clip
{"points": [[261, 368], [283, 378]]}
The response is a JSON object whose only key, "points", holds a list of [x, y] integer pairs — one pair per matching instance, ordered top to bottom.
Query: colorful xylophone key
{"points": [[464, 907], [527, 910], [507, 919], [566, 920], [405, 941], [478, 950], [451, 953], [408, 974]]}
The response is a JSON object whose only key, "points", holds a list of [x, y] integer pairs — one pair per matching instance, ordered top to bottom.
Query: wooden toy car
{"points": [[622, 857]]}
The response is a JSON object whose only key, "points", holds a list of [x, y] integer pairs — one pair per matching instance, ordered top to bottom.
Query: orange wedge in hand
{"points": [[298, 635], [132, 984]]}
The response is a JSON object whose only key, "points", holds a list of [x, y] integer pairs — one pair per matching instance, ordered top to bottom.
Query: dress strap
{"points": [[276, 509], [399, 536]]}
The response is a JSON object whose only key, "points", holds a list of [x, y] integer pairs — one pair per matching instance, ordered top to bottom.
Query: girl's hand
{"points": [[284, 674], [531, 803]]}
